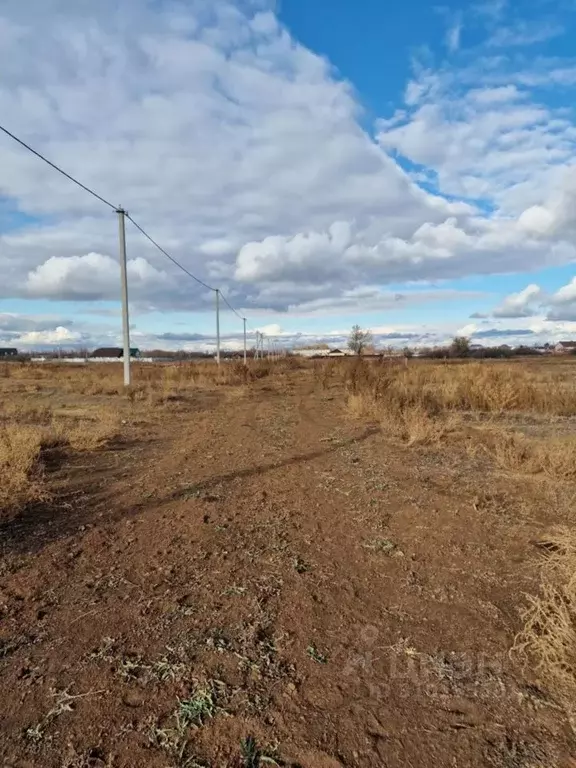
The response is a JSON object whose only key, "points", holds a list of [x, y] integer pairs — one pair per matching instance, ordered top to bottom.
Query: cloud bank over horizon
{"points": [[252, 161]]}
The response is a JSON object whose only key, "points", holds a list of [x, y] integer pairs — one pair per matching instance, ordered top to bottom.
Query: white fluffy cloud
{"points": [[485, 143], [242, 152], [93, 276], [566, 294], [563, 303], [522, 304], [542, 308], [40, 339]]}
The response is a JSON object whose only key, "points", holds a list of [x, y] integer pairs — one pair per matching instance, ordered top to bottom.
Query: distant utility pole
{"points": [[124, 282], [244, 319], [218, 326]]}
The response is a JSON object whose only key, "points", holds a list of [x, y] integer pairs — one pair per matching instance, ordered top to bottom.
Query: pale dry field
{"points": [[194, 572]]}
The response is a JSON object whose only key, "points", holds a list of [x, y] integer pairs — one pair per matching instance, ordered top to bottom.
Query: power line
{"points": [[57, 168], [115, 208], [172, 259], [177, 263], [225, 300]]}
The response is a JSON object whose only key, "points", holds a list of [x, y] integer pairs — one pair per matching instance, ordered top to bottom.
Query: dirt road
{"points": [[255, 576]]}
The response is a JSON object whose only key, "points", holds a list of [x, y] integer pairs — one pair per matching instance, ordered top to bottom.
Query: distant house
{"points": [[565, 348], [311, 351], [321, 351], [8, 352], [114, 353]]}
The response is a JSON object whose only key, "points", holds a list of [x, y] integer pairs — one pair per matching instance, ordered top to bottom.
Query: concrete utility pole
{"points": [[124, 282], [244, 319], [218, 326]]}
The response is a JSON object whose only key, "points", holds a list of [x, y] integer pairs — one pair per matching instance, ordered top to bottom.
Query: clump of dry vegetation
{"points": [[475, 387], [426, 402], [483, 405], [81, 408], [413, 425], [23, 446], [553, 456], [21, 473], [548, 639]]}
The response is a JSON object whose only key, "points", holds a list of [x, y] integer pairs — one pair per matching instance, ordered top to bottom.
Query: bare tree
{"points": [[359, 340], [460, 346]]}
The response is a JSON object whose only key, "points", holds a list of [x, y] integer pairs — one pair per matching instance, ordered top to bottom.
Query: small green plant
{"points": [[234, 589], [315, 654], [196, 710], [192, 712], [250, 753], [254, 757]]}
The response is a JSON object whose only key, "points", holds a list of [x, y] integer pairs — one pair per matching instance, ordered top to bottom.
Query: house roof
{"points": [[569, 344], [107, 352], [114, 352]]}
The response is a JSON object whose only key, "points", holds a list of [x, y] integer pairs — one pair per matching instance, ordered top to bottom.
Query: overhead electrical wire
{"points": [[57, 168], [117, 209], [172, 259], [225, 300]]}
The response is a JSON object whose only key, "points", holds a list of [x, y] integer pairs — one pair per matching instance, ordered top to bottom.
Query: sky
{"points": [[409, 168]]}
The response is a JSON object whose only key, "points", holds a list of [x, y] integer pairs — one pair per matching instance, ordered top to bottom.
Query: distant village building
{"points": [[565, 348], [311, 351], [323, 351], [8, 352], [113, 353]]}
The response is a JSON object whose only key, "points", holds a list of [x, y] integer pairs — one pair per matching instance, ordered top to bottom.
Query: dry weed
{"points": [[481, 387], [412, 424], [88, 434], [554, 456], [20, 463], [548, 638]]}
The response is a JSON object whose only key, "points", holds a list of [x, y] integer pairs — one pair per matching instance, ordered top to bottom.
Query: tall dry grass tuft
{"points": [[479, 387], [422, 403], [413, 425], [26, 432], [88, 434], [551, 456], [21, 470], [548, 638]]}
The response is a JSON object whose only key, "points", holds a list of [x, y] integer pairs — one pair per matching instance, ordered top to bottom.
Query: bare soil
{"points": [[314, 592]]}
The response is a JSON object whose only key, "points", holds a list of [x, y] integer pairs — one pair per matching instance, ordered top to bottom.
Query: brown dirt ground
{"points": [[343, 599]]}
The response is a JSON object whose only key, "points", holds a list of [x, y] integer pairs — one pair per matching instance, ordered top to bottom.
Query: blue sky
{"points": [[408, 168]]}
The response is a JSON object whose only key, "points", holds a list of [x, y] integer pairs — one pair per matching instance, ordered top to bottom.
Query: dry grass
{"points": [[484, 387], [423, 404], [426, 404], [81, 408], [413, 425], [552, 456], [21, 471], [22, 477], [548, 639]]}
